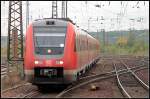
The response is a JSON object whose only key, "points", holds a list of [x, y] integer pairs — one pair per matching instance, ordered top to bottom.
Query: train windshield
{"points": [[49, 40]]}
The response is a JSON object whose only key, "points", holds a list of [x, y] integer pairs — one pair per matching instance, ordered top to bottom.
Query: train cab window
{"points": [[49, 40]]}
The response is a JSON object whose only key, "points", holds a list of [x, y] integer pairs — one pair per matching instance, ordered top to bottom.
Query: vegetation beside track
{"points": [[128, 45], [137, 49]]}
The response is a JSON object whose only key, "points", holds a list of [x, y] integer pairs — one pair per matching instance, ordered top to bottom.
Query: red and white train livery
{"points": [[57, 52]]}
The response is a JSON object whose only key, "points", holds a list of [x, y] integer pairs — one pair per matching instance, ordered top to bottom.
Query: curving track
{"points": [[122, 71], [130, 82]]}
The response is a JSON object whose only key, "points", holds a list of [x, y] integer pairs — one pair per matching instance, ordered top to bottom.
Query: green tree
{"points": [[131, 39]]}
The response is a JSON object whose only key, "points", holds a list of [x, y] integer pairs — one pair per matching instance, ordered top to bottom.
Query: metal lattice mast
{"points": [[54, 9], [64, 9], [27, 13], [15, 33], [104, 36], [15, 37]]}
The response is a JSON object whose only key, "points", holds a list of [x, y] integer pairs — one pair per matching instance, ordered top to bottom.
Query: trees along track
{"points": [[89, 79]]}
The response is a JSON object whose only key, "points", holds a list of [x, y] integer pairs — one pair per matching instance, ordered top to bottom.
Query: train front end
{"points": [[45, 58]]}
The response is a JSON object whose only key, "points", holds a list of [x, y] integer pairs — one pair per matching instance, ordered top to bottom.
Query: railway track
{"points": [[136, 62], [3, 70], [98, 77], [132, 77], [136, 77], [93, 78], [89, 79], [83, 81], [15, 87], [19, 90], [25, 90], [31, 94]]}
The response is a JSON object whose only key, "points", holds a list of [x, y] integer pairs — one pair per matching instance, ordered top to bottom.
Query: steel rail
{"points": [[142, 60], [3, 70], [111, 71], [104, 74], [94, 75], [91, 76], [137, 78], [93, 80], [77, 86], [15, 87], [124, 92], [31, 94], [21, 95]]}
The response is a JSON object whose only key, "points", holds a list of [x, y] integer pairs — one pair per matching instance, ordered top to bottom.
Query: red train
{"points": [[57, 52]]}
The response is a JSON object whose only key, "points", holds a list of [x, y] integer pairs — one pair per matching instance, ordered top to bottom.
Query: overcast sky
{"points": [[80, 12]]}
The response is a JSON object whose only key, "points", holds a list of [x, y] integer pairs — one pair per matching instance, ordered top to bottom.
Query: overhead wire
{"points": [[74, 10]]}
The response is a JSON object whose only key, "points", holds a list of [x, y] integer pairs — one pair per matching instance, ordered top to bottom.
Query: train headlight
{"points": [[61, 45], [49, 51], [37, 62], [59, 62]]}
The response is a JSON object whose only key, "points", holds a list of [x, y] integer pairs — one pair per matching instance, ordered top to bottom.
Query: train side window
{"points": [[75, 40], [80, 41], [83, 42], [86, 43], [82, 45]]}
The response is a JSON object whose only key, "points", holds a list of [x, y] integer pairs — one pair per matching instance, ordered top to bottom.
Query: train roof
{"points": [[65, 20], [49, 22], [58, 22], [86, 32]]}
